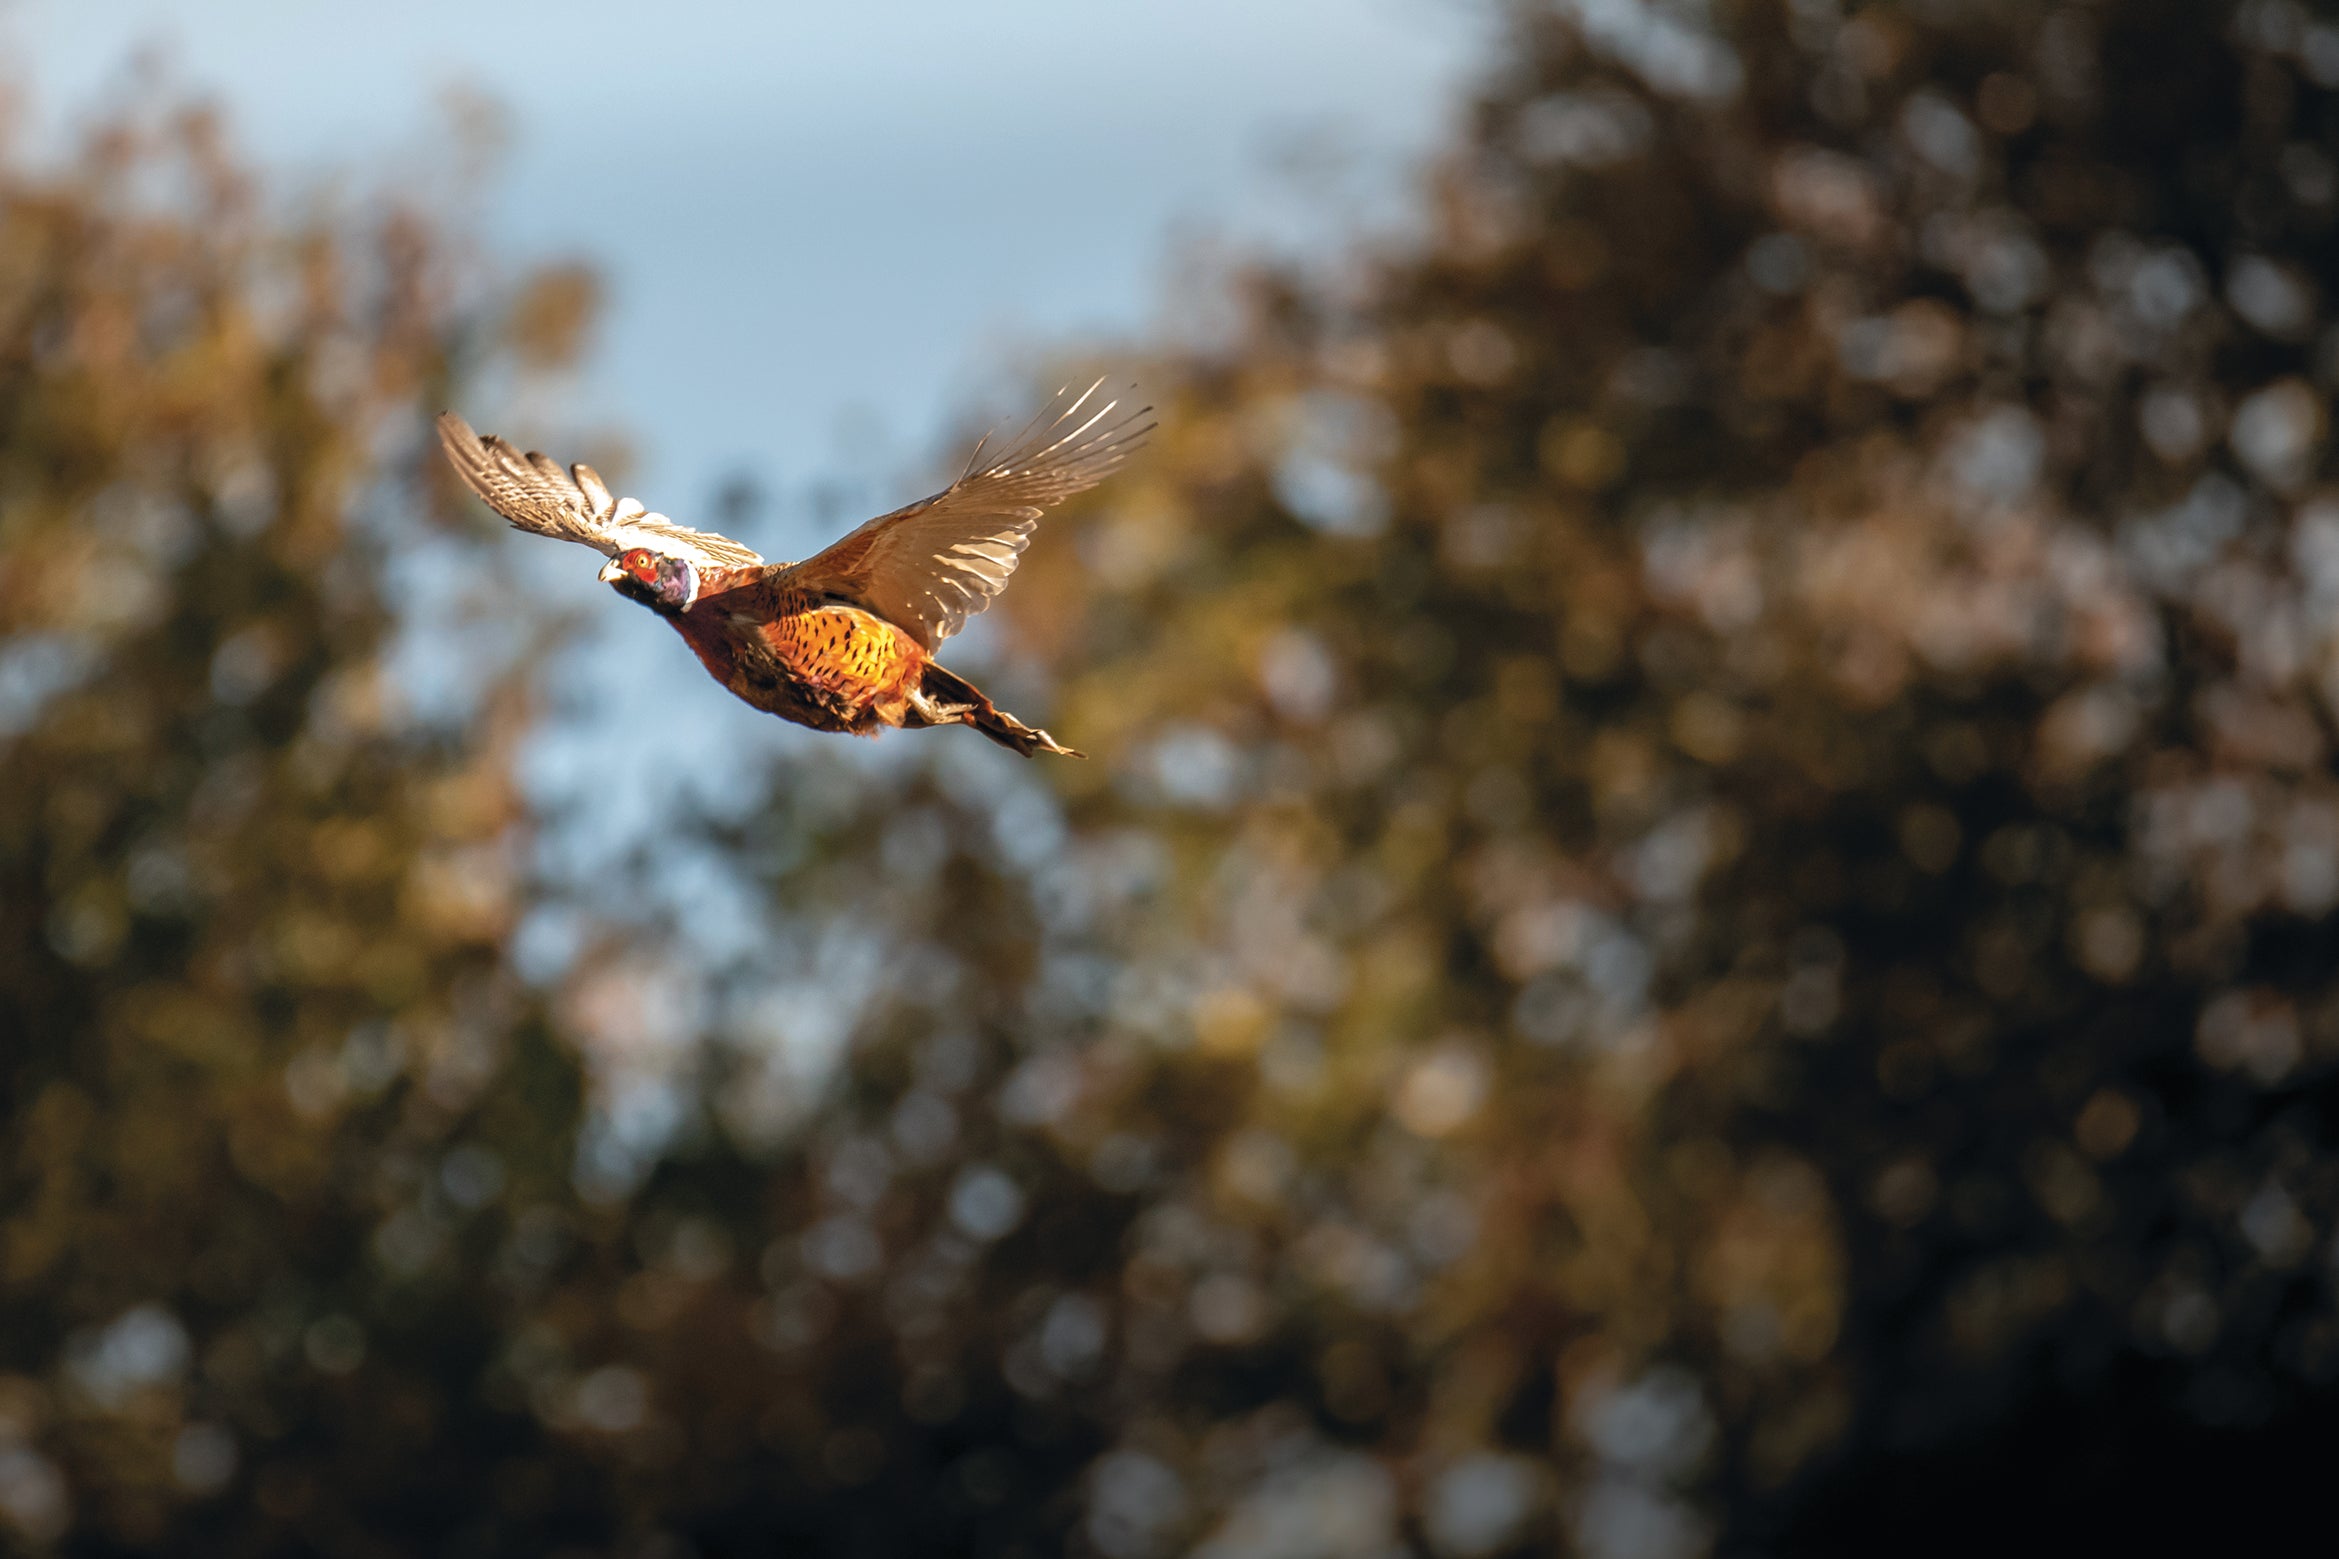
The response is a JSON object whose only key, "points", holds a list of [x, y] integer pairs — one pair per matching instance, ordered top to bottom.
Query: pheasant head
{"points": [[660, 583]]}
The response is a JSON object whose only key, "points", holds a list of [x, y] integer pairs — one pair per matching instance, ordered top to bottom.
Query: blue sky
{"points": [[823, 224]]}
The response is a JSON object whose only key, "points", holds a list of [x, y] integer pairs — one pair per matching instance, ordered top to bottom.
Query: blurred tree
{"points": [[1709, 880], [266, 1085]]}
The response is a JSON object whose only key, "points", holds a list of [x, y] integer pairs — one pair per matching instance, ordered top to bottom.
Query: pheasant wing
{"points": [[535, 494], [932, 565]]}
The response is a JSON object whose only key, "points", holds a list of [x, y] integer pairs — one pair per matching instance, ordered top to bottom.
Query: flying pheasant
{"points": [[845, 640]]}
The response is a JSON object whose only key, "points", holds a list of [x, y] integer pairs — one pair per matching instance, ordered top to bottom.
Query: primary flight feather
{"points": [[844, 640]]}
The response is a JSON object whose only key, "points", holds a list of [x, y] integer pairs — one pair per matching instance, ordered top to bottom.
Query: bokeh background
{"points": [[1701, 922]]}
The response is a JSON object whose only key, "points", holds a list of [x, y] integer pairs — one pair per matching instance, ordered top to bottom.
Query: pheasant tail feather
{"points": [[942, 690]]}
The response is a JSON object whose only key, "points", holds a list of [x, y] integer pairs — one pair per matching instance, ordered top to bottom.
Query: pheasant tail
{"points": [[947, 690]]}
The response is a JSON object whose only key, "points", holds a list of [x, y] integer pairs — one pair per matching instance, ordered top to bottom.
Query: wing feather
{"points": [[596, 491], [535, 494], [932, 565]]}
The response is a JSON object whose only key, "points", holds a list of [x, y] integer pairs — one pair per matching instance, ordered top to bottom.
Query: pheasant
{"points": [[845, 640]]}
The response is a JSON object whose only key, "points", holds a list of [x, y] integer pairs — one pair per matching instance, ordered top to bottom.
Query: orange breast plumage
{"points": [[843, 649]]}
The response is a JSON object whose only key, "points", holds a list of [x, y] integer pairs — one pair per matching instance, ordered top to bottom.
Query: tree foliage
{"points": [[257, 1013]]}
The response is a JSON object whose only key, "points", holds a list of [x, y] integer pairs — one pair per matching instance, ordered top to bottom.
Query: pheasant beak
{"points": [[611, 573]]}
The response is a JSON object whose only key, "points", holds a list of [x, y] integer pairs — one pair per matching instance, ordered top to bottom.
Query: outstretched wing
{"points": [[535, 494], [931, 566]]}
